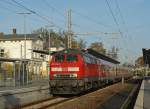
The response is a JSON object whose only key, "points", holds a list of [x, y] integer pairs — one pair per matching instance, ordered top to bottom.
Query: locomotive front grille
{"points": [[73, 75]]}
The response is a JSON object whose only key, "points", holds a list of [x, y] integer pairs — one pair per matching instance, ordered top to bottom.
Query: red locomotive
{"points": [[73, 71]]}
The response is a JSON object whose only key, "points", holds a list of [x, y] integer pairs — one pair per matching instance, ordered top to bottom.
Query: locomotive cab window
{"points": [[59, 58], [71, 58]]}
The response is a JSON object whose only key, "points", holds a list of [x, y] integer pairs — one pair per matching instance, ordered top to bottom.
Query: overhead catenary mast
{"points": [[69, 33]]}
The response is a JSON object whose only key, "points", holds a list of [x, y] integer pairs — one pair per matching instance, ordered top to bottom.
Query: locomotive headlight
{"points": [[56, 69], [73, 69], [54, 75]]}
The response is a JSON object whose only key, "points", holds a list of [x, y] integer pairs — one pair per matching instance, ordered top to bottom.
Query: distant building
{"points": [[54, 49], [146, 56]]}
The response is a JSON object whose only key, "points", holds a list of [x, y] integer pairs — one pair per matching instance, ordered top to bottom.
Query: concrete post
{"points": [[23, 65], [27, 70], [14, 76], [122, 80]]}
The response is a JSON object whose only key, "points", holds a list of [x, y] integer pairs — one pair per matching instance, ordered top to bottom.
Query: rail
{"points": [[130, 98]]}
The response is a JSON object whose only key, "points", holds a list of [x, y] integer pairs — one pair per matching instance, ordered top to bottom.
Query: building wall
{"points": [[15, 49]]}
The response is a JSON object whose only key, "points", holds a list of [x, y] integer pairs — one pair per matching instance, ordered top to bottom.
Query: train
{"points": [[73, 71]]}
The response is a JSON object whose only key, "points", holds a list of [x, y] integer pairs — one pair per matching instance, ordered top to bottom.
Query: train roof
{"points": [[66, 51], [91, 52], [101, 56]]}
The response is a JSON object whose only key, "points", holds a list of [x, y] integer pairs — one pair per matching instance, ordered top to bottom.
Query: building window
{"points": [[1, 52]]}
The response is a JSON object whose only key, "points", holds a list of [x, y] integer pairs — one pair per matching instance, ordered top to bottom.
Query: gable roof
{"points": [[13, 37]]}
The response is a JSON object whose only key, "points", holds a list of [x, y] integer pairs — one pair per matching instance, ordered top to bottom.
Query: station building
{"points": [[13, 46]]}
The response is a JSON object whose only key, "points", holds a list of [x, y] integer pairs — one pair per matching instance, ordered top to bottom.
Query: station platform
{"points": [[38, 83], [16, 96], [143, 99]]}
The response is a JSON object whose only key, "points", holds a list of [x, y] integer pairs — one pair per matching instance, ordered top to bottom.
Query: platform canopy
{"points": [[46, 52], [101, 56], [3, 59]]}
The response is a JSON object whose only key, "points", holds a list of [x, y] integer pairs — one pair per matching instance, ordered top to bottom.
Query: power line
{"points": [[10, 3], [15, 3], [52, 7], [55, 9], [10, 10], [15, 11], [32, 11], [35, 13], [59, 13], [121, 15], [114, 18], [122, 18], [91, 19], [123, 21], [116, 22], [76, 25]]}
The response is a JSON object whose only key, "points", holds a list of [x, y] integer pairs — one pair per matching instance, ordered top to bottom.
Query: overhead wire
{"points": [[10, 3], [47, 4], [19, 5], [52, 7], [10, 10], [14, 11], [36, 13], [59, 13], [62, 15], [114, 18], [46, 19], [91, 19], [123, 21], [116, 22], [126, 29]]}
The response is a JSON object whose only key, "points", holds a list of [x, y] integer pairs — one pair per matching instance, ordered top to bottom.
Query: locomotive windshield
{"points": [[72, 57], [59, 58]]}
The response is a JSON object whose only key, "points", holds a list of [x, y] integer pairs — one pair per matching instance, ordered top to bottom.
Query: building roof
{"points": [[5, 37]]}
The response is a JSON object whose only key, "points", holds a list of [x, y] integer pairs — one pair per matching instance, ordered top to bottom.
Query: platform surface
{"points": [[143, 99]]}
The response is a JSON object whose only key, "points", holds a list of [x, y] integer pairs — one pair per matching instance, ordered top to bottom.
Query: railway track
{"points": [[54, 101], [45, 103]]}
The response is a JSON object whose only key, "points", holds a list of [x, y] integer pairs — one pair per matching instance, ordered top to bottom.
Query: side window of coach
{"points": [[87, 59]]}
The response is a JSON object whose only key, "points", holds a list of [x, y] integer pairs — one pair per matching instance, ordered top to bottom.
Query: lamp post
{"points": [[24, 29], [25, 38], [49, 46]]}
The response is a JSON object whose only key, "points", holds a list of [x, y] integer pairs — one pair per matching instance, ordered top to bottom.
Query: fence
{"points": [[18, 74]]}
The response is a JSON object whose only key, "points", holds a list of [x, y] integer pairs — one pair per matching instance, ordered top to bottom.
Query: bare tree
{"points": [[81, 44], [99, 47], [113, 53]]}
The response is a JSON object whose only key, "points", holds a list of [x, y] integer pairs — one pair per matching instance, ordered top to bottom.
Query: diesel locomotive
{"points": [[73, 71]]}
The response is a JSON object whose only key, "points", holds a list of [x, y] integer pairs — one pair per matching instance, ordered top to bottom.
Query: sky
{"points": [[130, 17]]}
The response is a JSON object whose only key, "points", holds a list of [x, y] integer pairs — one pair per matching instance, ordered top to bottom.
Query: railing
{"points": [[7, 81]]}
